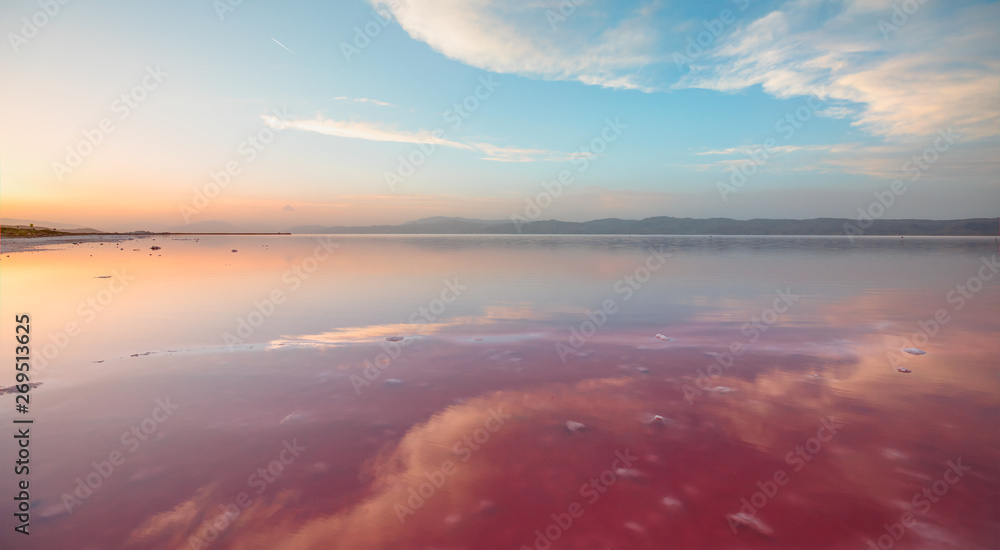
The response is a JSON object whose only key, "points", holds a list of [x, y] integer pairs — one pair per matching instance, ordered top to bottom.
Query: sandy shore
{"points": [[25, 244]]}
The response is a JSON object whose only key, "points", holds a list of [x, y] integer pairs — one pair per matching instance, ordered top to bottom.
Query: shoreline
{"points": [[26, 243]]}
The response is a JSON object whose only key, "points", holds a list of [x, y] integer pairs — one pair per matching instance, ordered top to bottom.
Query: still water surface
{"points": [[251, 399]]}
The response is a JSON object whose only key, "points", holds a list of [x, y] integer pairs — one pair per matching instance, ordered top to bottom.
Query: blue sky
{"points": [[867, 85]]}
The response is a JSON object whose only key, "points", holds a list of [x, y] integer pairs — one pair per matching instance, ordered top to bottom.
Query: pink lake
{"points": [[200, 398]]}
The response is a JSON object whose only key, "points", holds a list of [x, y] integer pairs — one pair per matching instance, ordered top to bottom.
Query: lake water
{"points": [[196, 397]]}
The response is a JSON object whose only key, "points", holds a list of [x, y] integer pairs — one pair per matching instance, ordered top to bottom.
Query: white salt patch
{"points": [[294, 417], [656, 419], [574, 427], [893, 454], [672, 503], [752, 522], [633, 526]]}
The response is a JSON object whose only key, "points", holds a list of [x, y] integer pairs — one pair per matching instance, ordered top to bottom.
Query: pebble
{"points": [[14, 389], [656, 419], [574, 427]]}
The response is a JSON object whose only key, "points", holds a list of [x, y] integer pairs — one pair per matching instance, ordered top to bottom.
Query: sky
{"points": [[124, 115]]}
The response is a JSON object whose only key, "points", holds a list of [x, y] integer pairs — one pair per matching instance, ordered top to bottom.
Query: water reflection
{"points": [[478, 418]]}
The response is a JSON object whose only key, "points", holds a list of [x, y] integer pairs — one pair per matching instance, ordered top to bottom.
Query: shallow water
{"points": [[774, 417]]}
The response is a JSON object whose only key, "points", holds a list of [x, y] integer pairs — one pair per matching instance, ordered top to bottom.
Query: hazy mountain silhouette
{"points": [[663, 225]]}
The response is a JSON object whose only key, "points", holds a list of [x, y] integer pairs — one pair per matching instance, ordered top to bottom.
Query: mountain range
{"points": [[659, 225], [663, 225]]}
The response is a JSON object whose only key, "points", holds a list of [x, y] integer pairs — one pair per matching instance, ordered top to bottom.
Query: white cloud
{"points": [[523, 38], [938, 70], [364, 100], [836, 112], [360, 130], [370, 131], [780, 149], [973, 162]]}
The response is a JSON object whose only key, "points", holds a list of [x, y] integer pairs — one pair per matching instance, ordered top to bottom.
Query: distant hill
{"points": [[446, 219], [51, 225], [663, 225], [210, 226], [219, 226], [21, 231]]}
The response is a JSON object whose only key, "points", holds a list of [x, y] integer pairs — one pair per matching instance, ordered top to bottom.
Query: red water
{"points": [[488, 368]]}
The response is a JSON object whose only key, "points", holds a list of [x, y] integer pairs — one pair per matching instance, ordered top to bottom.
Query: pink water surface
{"points": [[676, 439]]}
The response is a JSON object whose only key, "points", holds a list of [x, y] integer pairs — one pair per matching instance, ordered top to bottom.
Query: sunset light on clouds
{"points": [[116, 115]]}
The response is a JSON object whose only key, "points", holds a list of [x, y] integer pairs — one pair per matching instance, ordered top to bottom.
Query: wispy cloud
{"points": [[282, 45], [938, 71], [364, 100], [836, 112], [371, 131], [781, 149], [516, 154], [882, 161]]}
